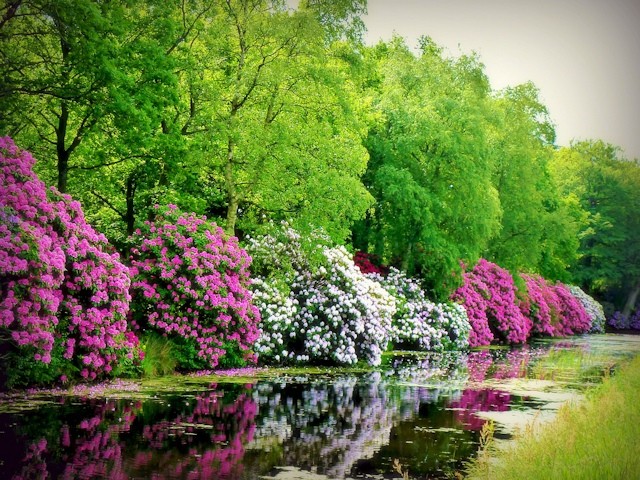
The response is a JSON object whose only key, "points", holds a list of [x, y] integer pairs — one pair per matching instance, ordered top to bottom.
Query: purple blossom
{"points": [[62, 285]]}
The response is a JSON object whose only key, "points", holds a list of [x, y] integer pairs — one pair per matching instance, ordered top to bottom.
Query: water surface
{"points": [[426, 411]]}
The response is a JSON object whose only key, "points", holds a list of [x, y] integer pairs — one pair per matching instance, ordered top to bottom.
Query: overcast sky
{"points": [[583, 55]]}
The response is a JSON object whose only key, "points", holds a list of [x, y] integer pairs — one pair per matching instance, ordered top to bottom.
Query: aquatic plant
{"points": [[190, 281], [64, 294], [489, 297], [316, 305], [419, 323]]}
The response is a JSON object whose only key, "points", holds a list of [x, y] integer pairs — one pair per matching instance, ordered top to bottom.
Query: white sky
{"points": [[583, 55]]}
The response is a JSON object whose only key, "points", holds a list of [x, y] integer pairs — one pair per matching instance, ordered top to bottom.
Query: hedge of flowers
{"points": [[190, 281], [63, 295], [489, 296], [316, 304], [592, 307], [556, 310], [619, 321], [419, 323]]}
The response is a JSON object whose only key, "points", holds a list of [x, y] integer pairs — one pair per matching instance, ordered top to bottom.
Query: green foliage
{"points": [[431, 165], [607, 188], [538, 232], [159, 356], [22, 370]]}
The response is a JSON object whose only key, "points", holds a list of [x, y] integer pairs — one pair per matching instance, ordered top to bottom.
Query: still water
{"points": [[426, 411]]}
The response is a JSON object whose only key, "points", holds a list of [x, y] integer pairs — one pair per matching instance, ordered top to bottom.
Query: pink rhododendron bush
{"points": [[190, 282], [489, 296], [63, 297], [316, 305], [557, 310]]}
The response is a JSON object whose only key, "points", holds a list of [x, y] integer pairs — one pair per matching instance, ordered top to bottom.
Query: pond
{"points": [[426, 411]]}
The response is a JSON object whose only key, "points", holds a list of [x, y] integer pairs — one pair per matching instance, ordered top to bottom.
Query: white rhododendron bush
{"points": [[316, 305], [593, 308], [420, 324]]}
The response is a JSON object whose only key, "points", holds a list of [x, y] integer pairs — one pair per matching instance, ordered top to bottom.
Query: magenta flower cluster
{"points": [[190, 281], [59, 286], [489, 296], [554, 310]]}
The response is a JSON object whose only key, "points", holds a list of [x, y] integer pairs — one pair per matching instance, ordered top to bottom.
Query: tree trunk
{"points": [[63, 153], [130, 194], [232, 195], [407, 260], [631, 300]]}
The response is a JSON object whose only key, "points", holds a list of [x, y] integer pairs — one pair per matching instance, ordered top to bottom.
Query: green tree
{"points": [[87, 85], [286, 139], [431, 163], [608, 188], [538, 230]]}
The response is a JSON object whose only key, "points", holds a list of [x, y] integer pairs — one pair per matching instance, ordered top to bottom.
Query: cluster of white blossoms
{"points": [[593, 308], [319, 310], [419, 323]]}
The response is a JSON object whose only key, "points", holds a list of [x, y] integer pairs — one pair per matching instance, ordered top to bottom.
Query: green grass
{"points": [[159, 358], [598, 438]]}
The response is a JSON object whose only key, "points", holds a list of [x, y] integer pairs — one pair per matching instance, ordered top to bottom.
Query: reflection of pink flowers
{"points": [[482, 365], [473, 401], [95, 446]]}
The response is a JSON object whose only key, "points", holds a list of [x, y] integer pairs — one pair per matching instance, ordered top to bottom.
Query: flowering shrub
{"points": [[367, 263], [190, 281], [489, 296], [63, 297], [315, 303], [540, 305], [593, 308], [555, 310], [573, 318], [620, 322], [419, 323]]}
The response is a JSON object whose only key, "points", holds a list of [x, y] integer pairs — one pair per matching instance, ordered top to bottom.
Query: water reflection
{"points": [[421, 410]]}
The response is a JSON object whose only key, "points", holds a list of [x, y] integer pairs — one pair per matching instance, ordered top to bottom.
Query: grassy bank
{"points": [[599, 438]]}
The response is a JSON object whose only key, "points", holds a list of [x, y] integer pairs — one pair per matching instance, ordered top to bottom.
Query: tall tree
{"points": [[285, 138], [431, 163], [608, 188], [538, 230]]}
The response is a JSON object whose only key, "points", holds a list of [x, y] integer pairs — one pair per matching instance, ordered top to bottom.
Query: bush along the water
{"points": [[190, 282], [63, 296], [489, 297], [540, 305], [317, 306], [592, 307], [555, 311], [573, 318], [619, 321], [419, 323]]}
